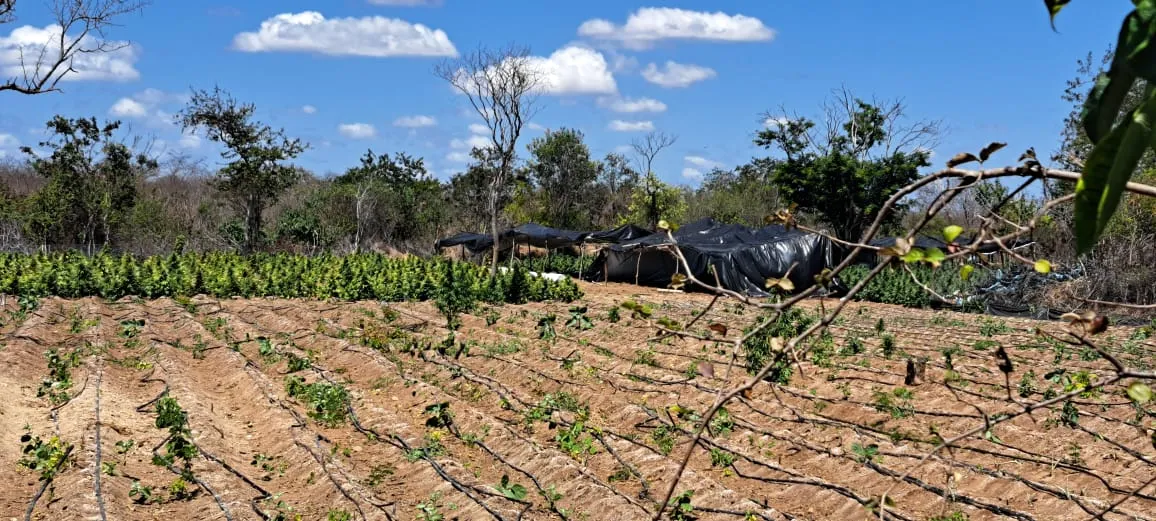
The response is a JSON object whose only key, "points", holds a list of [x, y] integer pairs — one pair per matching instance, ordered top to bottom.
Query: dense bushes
{"points": [[350, 277], [895, 286]]}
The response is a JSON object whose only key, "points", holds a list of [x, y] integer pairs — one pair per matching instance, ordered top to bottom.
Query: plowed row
{"points": [[591, 423]]}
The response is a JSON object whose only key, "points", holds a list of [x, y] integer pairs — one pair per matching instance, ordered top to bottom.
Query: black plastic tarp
{"points": [[535, 234], [621, 234], [474, 242], [744, 258]]}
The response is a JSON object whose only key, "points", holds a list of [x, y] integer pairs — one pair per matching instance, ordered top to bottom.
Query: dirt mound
{"points": [[367, 411]]}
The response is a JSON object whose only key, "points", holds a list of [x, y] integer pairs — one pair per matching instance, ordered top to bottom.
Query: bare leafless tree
{"points": [[43, 66], [502, 86], [645, 150]]}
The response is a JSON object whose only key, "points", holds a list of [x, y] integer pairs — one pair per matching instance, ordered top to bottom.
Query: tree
{"points": [[43, 66], [501, 86], [646, 149], [846, 172], [255, 176], [564, 176], [91, 182], [616, 183], [469, 192], [395, 194], [744, 195], [654, 201]]}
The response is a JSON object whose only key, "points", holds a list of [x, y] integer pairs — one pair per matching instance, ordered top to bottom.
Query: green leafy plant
{"points": [[578, 319], [327, 403], [179, 444], [45, 457], [511, 490], [681, 508]]}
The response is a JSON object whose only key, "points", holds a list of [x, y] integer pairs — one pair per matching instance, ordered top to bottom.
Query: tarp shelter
{"points": [[619, 235], [540, 236], [475, 243], [743, 257]]}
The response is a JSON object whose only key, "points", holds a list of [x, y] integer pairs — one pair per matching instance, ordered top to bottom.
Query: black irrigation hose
{"points": [[44, 485]]}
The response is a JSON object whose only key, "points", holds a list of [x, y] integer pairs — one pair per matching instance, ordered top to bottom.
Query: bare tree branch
{"points": [[43, 66]]}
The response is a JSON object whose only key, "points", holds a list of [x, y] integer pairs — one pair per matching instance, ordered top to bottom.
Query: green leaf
{"points": [[1054, 7], [1135, 42], [1103, 104], [1107, 171], [951, 232], [915, 255], [934, 256], [1043, 266], [965, 271], [1139, 393]]}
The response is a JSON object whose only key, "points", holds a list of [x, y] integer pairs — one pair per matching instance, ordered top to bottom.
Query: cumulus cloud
{"points": [[648, 25], [373, 36], [116, 63], [572, 70], [676, 75], [629, 105], [146, 106], [128, 108], [309, 109], [415, 121], [775, 122], [631, 126], [357, 130], [190, 140], [8, 141], [460, 148], [702, 162], [691, 173]]}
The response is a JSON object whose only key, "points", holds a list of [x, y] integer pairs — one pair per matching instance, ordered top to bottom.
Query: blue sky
{"points": [[362, 77]]}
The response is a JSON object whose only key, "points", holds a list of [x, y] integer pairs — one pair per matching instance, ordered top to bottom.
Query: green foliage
{"points": [[1118, 143], [561, 169], [256, 174], [847, 177], [653, 201], [367, 276], [894, 285], [578, 319], [759, 349], [56, 385], [327, 403], [664, 438], [179, 444], [865, 453], [45, 457], [721, 458], [511, 490], [681, 508], [338, 515]]}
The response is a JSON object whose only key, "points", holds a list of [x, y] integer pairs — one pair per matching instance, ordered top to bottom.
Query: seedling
{"points": [[514, 491]]}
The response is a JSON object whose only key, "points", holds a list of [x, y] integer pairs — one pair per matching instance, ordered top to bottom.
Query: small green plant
{"points": [[613, 316], [492, 317], [578, 319], [546, 327], [992, 327], [887, 344], [985, 345], [646, 357], [1027, 385], [55, 387], [327, 403], [897, 403], [439, 415], [722, 423], [664, 438], [574, 441], [179, 444], [864, 454], [45, 457], [721, 458], [378, 474], [179, 490], [511, 490], [142, 494], [681, 508], [430, 509], [338, 515], [953, 516]]}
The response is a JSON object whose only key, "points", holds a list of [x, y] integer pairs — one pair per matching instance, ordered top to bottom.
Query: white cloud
{"points": [[648, 25], [374, 36], [116, 64], [571, 70], [574, 70], [673, 74], [629, 105], [145, 106], [128, 108], [309, 109], [415, 121], [775, 122], [535, 126], [631, 126], [478, 128], [357, 130], [479, 138], [190, 140], [8, 141], [474, 141], [623, 149], [930, 152], [458, 156], [702, 162], [691, 173]]}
